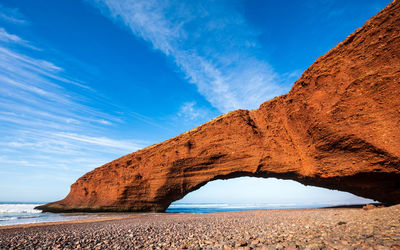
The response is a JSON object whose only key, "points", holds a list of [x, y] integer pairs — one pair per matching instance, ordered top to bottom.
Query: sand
{"points": [[339, 228]]}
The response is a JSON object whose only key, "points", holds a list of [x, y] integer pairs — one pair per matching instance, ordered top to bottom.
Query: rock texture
{"points": [[338, 128]]}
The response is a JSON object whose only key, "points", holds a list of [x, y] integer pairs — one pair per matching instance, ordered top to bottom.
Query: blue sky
{"points": [[84, 82]]}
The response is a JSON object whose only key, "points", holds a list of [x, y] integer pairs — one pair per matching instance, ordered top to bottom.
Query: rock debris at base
{"points": [[264, 229]]}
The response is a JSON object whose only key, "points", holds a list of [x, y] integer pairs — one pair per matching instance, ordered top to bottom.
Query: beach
{"points": [[331, 228]]}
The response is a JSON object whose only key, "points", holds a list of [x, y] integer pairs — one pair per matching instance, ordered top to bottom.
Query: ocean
{"points": [[227, 207], [13, 213]]}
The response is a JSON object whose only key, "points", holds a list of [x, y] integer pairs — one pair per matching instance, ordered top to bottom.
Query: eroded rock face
{"points": [[338, 128]]}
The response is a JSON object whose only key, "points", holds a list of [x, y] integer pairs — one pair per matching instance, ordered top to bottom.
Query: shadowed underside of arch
{"points": [[338, 128]]}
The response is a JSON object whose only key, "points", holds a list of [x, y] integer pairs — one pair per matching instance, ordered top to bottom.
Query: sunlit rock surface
{"points": [[338, 128]]}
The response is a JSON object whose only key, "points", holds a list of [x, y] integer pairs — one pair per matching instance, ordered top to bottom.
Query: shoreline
{"points": [[120, 216], [61, 222], [314, 228]]}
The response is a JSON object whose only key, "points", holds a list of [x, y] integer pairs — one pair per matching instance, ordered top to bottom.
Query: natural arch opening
{"points": [[252, 193]]}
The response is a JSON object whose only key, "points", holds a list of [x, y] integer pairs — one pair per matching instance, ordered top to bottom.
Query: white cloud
{"points": [[12, 15], [6, 37], [210, 42], [189, 112], [44, 123], [99, 141]]}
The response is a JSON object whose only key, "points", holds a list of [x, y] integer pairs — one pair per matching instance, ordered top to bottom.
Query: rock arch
{"points": [[338, 128]]}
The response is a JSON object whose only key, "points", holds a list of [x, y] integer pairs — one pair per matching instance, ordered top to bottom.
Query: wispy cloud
{"points": [[12, 15], [6, 37], [209, 41], [190, 112], [45, 119], [100, 141]]}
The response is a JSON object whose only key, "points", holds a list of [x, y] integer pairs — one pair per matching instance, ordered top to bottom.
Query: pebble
{"points": [[339, 228], [255, 242]]}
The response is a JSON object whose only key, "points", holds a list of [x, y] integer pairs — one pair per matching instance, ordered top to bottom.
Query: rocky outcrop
{"points": [[338, 128]]}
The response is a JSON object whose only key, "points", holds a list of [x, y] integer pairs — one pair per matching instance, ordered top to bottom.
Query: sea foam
{"points": [[18, 209]]}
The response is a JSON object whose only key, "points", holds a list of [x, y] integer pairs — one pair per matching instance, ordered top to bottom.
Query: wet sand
{"points": [[339, 228]]}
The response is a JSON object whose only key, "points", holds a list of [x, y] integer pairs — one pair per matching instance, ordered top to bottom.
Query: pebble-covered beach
{"points": [[339, 228]]}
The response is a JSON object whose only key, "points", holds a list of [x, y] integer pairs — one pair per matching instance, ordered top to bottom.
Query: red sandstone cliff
{"points": [[339, 127]]}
